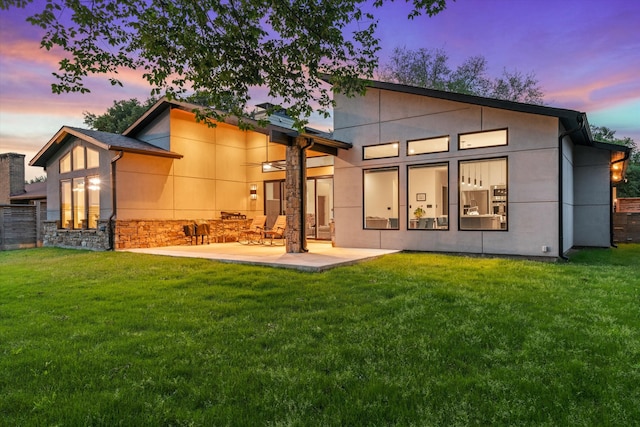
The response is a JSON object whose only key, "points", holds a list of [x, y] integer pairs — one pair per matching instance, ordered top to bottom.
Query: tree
{"points": [[220, 49], [429, 68], [118, 117], [41, 178], [631, 186]]}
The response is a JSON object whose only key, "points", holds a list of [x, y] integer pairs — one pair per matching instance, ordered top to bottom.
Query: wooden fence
{"points": [[21, 225], [626, 227]]}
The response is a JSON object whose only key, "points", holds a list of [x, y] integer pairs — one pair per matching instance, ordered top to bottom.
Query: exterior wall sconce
{"points": [[253, 191]]}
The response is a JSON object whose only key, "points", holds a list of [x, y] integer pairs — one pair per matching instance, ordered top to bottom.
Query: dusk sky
{"points": [[584, 53]]}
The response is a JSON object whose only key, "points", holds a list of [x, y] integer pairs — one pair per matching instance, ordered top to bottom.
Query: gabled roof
{"points": [[321, 139], [104, 140]]}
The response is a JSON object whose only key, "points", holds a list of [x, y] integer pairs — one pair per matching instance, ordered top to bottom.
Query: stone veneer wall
{"points": [[150, 233], [129, 234], [81, 239]]}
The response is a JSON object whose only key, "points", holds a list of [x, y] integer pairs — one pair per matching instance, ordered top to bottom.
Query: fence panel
{"points": [[18, 226]]}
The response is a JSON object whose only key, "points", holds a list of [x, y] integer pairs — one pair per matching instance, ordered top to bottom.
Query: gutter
{"points": [[581, 120], [113, 200]]}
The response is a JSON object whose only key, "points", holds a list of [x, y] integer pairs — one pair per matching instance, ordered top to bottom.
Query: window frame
{"points": [[409, 141], [506, 143], [364, 150], [86, 154], [63, 160], [77, 179], [490, 199], [397, 201], [409, 201]]}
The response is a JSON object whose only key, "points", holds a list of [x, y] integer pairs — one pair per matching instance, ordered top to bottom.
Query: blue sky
{"points": [[584, 53]]}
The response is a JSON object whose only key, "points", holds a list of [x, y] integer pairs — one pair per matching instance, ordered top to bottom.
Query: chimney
{"points": [[11, 176]]}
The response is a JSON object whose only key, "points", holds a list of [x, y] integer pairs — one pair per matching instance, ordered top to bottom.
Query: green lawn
{"points": [[106, 339]]}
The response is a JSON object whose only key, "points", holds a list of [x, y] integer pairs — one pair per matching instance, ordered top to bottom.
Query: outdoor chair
{"points": [[202, 230], [277, 231], [255, 233]]}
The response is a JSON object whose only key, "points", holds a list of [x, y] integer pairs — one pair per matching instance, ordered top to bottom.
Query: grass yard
{"points": [[106, 339]]}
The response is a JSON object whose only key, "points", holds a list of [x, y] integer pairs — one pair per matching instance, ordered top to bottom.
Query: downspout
{"points": [[580, 120], [627, 154], [303, 194], [113, 200]]}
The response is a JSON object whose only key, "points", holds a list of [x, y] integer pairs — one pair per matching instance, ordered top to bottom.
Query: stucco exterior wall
{"points": [[385, 116], [592, 197]]}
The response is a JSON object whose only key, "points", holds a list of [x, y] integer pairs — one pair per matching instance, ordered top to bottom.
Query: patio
{"points": [[321, 256]]}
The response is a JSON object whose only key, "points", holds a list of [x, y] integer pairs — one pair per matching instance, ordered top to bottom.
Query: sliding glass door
{"points": [[319, 208]]}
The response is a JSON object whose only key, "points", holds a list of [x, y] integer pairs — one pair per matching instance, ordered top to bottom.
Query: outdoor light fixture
{"points": [[253, 191]]}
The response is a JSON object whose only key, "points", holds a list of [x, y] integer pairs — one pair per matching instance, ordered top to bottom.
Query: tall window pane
{"points": [[78, 158], [93, 158], [65, 163], [483, 194], [428, 197], [381, 198], [93, 199], [78, 203], [65, 204]]}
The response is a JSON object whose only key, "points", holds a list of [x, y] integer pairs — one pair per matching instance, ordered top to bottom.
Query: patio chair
{"points": [[202, 229], [277, 231], [255, 233]]}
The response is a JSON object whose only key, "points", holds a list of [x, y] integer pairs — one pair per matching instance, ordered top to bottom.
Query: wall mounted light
{"points": [[253, 191]]}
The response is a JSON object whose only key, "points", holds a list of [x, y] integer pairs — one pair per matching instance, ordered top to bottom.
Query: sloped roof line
{"points": [[165, 103], [103, 140]]}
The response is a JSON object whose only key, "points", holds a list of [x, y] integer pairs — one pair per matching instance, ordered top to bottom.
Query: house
{"points": [[405, 168], [485, 176], [13, 189], [139, 189]]}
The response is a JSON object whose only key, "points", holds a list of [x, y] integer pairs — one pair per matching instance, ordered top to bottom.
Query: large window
{"points": [[490, 138], [381, 151], [483, 194], [79, 195], [428, 197], [381, 198], [80, 202]]}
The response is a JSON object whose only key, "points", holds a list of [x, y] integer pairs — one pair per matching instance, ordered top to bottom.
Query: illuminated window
{"points": [[492, 138], [428, 145], [381, 151], [78, 158], [93, 158], [65, 163], [483, 194], [79, 196], [428, 197], [381, 198], [93, 202], [78, 203], [65, 204]]}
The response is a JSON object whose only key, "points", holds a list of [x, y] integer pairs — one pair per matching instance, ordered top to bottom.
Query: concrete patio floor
{"points": [[321, 256]]}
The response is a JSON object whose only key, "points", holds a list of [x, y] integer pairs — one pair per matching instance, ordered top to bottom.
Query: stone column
{"points": [[295, 188]]}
